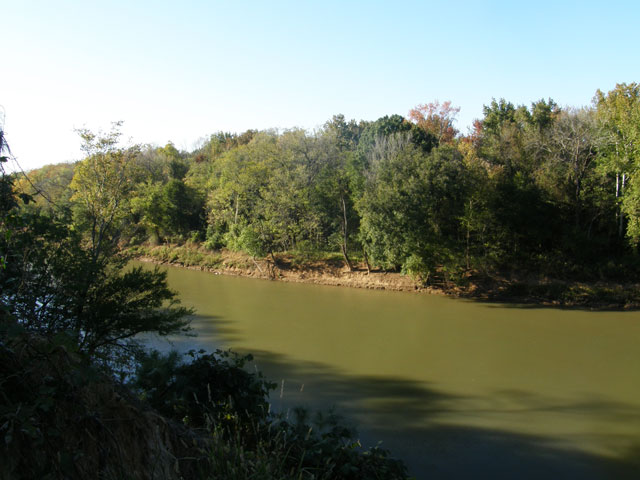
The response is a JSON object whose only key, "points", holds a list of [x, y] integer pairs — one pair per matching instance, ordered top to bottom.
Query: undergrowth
{"points": [[187, 255], [215, 394], [200, 417]]}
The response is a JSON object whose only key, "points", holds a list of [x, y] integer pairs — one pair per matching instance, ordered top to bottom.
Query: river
{"points": [[456, 388]]}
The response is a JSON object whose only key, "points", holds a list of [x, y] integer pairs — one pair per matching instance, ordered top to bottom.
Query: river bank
{"points": [[333, 271]]}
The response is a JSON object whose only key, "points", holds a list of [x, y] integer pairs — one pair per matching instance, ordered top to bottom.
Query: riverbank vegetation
{"points": [[531, 196], [80, 395]]}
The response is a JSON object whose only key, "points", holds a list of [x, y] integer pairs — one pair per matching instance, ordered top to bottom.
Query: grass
{"points": [[187, 255], [303, 447]]}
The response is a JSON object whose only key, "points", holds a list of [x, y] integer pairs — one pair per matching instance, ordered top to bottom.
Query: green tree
{"points": [[618, 112], [391, 125], [503, 141], [514, 144], [573, 148], [48, 185], [101, 185], [236, 185], [333, 194], [286, 207], [411, 207], [184, 208], [148, 209], [173, 209], [56, 284]]}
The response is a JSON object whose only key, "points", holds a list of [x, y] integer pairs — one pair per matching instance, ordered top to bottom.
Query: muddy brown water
{"points": [[456, 388]]}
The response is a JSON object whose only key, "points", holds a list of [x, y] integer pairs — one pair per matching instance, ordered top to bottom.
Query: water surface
{"points": [[456, 388]]}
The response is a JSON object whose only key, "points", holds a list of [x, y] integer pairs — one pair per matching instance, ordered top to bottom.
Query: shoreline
{"points": [[329, 276], [547, 293]]}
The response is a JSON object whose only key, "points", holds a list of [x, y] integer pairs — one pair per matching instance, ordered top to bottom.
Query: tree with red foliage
{"points": [[437, 119]]}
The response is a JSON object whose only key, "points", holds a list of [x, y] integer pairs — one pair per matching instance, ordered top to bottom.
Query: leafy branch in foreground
{"points": [[59, 279]]}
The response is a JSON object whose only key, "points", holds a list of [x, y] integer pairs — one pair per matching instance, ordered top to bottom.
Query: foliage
{"points": [[618, 112], [436, 119], [48, 183], [101, 185], [537, 188], [410, 207], [172, 209], [60, 279], [63, 289], [70, 312], [209, 389], [214, 392], [61, 417], [303, 447]]}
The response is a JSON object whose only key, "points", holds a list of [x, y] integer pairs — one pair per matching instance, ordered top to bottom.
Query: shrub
{"points": [[210, 389], [215, 393]]}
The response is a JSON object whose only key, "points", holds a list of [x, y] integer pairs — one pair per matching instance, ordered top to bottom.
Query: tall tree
{"points": [[619, 114], [436, 119], [573, 146], [101, 185], [236, 186], [333, 192], [411, 206], [53, 284]]}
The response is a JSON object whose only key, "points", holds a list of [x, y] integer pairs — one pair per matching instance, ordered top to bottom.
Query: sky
{"points": [[181, 71]]}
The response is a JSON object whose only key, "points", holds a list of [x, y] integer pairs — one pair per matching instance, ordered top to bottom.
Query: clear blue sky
{"points": [[179, 71]]}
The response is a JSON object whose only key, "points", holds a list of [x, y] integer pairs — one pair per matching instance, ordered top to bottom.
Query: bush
{"points": [[214, 238], [210, 389], [215, 393], [313, 447]]}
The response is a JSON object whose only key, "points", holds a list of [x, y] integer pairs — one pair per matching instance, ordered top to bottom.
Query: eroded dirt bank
{"points": [[316, 272], [496, 288]]}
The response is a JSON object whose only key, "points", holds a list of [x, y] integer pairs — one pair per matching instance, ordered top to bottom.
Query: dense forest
{"points": [[542, 189]]}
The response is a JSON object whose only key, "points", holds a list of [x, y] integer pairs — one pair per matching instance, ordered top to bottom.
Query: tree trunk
{"points": [[619, 193], [235, 217], [345, 233], [468, 233], [366, 260], [257, 265]]}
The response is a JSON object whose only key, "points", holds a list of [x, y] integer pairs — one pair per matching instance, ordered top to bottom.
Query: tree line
{"points": [[541, 188], [81, 394]]}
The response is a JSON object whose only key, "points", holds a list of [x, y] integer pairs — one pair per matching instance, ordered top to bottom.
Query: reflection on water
{"points": [[455, 388]]}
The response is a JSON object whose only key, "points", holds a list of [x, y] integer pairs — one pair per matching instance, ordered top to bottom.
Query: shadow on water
{"points": [[533, 303], [544, 306], [204, 334], [404, 416], [440, 435]]}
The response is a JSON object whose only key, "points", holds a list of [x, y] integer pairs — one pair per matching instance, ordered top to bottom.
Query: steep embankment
{"points": [[62, 418]]}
